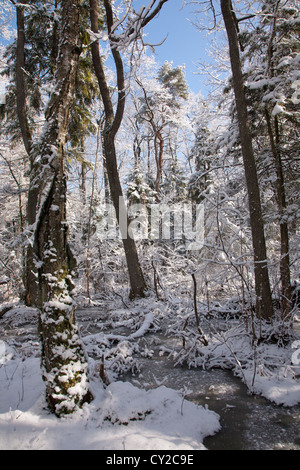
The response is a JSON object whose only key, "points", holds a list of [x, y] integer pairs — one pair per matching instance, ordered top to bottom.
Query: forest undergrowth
{"points": [[191, 324], [184, 327], [203, 327]]}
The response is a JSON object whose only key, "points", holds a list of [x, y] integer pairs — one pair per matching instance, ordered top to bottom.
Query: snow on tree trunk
{"points": [[49, 259]]}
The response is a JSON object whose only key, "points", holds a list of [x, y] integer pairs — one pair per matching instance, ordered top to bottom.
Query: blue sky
{"points": [[184, 45]]}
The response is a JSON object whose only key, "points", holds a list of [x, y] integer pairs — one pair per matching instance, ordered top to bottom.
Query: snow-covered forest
{"points": [[147, 232]]}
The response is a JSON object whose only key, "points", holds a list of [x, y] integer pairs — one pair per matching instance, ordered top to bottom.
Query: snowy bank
{"points": [[266, 368], [121, 417]]}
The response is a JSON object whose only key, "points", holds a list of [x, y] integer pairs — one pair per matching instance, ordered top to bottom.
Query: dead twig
{"points": [[202, 335]]}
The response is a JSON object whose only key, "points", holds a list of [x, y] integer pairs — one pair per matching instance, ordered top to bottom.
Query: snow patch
{"points": [[277, 109], [120, 417]]}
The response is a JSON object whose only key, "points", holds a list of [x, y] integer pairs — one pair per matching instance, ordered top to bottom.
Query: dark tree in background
{"points": [[113, 120], [262, 283]]}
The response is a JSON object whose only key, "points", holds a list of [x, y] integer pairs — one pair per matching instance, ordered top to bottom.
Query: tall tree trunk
{"points": [[54, 41], [20, 82], [22, 113], [112, 123], [274, 137], [159, 162], [105, 175], [49, 256], [285, 277], [30, 283], [137, 283], [262, 284]]}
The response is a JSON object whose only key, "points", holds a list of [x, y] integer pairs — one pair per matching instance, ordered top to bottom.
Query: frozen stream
{"points": [[248, 422]]}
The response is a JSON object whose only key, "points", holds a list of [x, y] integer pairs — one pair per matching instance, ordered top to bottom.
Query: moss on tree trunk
{"points": [[49, 260]]}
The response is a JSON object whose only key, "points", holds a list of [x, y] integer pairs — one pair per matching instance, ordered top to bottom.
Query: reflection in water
{"points": [[248, 422]]}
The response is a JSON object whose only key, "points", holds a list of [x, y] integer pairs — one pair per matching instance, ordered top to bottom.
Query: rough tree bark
{"points": [[49, 258], [262, 284]]}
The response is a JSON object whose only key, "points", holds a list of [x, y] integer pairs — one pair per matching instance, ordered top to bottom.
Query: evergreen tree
{"points": [[41, 23], [31, 67], [173, 80], [159, 111], [201, 154], [138, 190]]}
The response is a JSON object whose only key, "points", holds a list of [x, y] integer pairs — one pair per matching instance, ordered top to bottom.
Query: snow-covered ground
{"points": [[123, 416]]}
